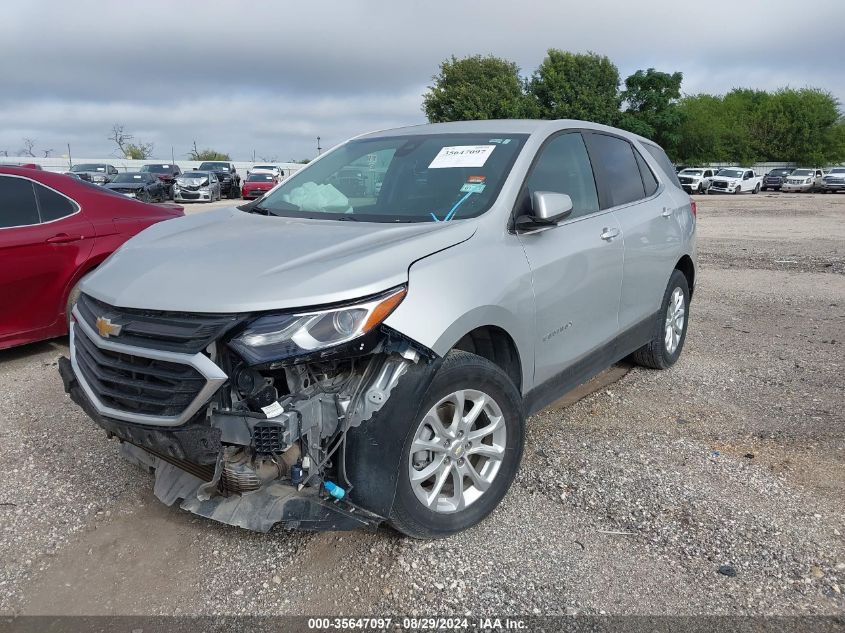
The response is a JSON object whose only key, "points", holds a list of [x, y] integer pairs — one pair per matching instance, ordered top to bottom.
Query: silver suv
{"points": [[364, 343]]}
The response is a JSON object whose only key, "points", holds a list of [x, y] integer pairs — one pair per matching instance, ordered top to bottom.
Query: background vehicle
{"points": [[267, 169], [166, 172], [98, 173], [696, 179], [774, 179], [735, 180], [803, 180], [834, 180], [230, 181], [257, 184], [141, 185], [197, 186], [53, 230], [306, 366]]}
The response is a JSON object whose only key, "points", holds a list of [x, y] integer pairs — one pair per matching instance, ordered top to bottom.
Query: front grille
{"points": [[686, 180], [721, 184], [124, 190], [189, 195], [187, 333], [136, 384]]}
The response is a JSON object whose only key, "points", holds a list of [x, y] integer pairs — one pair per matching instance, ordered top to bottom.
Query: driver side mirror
{"points": [[548, 207]]}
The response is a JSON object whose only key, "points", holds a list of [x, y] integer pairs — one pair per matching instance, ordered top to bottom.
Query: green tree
{"points": [[576, 86], [477, 87], [651, 101], [138, 151], [206, 154]]}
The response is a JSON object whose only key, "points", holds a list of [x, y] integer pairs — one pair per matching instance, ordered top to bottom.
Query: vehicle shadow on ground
{"points": [[34, 349]]}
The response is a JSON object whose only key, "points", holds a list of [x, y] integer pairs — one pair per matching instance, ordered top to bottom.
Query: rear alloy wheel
{"points": [[700, 189], [756, 189], [669, 328], [459, 460]]}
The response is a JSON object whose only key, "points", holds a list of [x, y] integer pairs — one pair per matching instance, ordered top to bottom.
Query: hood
{"points": [[230, 261]]}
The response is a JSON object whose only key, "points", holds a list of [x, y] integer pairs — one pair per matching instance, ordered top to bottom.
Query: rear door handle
{"points": [[667, 212], [609, 233], [64, 238]]}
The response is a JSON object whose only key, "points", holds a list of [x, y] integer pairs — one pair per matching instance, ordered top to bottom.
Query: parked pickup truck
{"points": [[696, 179], [774, 179], [736, 180], [834, 180], [230, 181], [803, 181], [331, 362]]}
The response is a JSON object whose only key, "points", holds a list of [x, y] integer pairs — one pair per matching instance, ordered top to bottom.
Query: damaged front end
{"points": [[253, 420]]}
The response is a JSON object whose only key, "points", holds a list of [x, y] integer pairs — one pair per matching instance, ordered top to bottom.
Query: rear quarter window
{"points": [[662, 159], [619, 166], [52, 205]]}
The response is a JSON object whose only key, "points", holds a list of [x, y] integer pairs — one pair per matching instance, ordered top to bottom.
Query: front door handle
{"points": [[667, 212], [609, 233], [64, 238]]}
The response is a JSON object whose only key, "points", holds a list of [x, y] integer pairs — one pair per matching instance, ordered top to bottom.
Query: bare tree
{"points": [[120, 137], [28, 144], [5, 152], [47, 152], [269, 159]]}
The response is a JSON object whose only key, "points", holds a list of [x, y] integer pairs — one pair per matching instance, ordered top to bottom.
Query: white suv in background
{"points": [[696, 179], [803, 180]]}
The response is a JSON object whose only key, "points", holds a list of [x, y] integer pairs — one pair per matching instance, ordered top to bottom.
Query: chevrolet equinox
{"points": [[363, 343]]}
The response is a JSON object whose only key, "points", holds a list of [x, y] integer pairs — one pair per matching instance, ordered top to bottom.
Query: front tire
{"points": [[756, 189], [738, 190], [670, 326], [461, 455]]}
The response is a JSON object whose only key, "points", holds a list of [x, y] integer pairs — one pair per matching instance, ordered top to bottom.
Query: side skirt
{"points": [[589, 365]]}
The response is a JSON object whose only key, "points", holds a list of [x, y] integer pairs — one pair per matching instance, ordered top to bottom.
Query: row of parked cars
{"points": [[736, 180], [157, 182]]}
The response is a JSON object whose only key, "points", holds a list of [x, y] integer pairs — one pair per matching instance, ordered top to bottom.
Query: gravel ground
{"points": [[717, 487]]}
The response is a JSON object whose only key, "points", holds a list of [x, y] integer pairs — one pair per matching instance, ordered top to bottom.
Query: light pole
{"points": [[319, 149]]}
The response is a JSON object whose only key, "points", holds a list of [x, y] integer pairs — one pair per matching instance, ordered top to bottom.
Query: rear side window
{"points": [[665, 164], [564, 167], [620, 168], [649, 181], [17, 202], [53, 205]]}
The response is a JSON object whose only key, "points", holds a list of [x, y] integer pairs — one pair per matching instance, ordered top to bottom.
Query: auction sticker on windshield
{"points": [[462, 156]]}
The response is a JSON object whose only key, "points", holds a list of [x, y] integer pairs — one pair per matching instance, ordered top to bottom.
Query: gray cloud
{"points": [[270, 77]]}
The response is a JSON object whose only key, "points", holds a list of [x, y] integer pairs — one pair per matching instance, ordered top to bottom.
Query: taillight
{"points": [[693, 206]]}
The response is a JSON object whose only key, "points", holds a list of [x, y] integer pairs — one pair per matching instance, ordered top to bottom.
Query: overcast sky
{"points": [[272, 76]]}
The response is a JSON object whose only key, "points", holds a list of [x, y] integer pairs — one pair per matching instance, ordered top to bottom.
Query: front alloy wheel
{"points": [[457, 451], [462, 452]]}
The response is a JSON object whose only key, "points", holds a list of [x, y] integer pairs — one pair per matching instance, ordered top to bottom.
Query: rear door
{"points": [[648, 212], [43, 241], [576, 266]]}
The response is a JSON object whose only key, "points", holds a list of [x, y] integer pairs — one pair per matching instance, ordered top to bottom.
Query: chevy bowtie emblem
{"points": [[106, 328]]}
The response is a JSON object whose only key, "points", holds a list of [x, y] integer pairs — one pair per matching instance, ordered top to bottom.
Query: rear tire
{"points": [[756, 189], [663, 352], [473, 475]]}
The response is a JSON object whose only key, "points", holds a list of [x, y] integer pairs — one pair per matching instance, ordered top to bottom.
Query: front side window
{"points": [[563, 166], [620, 168], [415, 178], [17, 202], [52, 205]]}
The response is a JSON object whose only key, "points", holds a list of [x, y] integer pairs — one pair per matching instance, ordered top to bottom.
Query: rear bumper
{"points": [[185, 461]]}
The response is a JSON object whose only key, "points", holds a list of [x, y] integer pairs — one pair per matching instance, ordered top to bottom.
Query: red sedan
{"points": [[256, 185], [53, 230]]}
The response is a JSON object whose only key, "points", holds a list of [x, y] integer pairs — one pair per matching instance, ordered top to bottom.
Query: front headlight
{"points": [[808, 181], [280, 336]]}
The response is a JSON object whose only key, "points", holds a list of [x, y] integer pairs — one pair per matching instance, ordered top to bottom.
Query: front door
{"points": [[576, 266]]}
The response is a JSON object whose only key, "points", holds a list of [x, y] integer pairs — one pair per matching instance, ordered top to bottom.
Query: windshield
{"points": [[215, 166], [88, 167], [267, 167], [157, 169], [837, 170], [691, 172], [780, 172], [802, 172], [730, 173], [193, 175], [130, 177], [261, 178], [419, 178]]}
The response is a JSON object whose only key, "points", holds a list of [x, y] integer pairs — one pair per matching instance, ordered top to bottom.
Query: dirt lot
{"points": [[628, 501]]}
